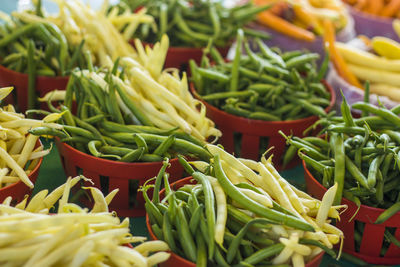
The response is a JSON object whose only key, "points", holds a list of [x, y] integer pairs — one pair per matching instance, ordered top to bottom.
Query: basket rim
{"points": [[25, 76], [262, 122], [107, 161], [31, 174], [187, 262]]}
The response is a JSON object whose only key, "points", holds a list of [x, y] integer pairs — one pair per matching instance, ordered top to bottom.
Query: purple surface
{"points": [[371, 25]]}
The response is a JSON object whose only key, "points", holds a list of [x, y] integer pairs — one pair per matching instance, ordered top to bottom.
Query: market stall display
{"points": [[252, 97], [127, 121], [361, 156], [258, 216], [34, 233]]}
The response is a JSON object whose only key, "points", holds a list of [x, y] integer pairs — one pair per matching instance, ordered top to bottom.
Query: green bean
{"points": [[18, 33], [268, 53], [301, 60], [236, 62], [264, 64], [31, 75], [213, 75], [223, 95], [132, 107], [315, 110], [383, 113], [263, 116], [47, 131], [140, 142], [94, 144], [164, 146], [339, 153], [134, 155], [150, 158], [373, 169], [356, 173], [253, 206], [209, 208], [384, 216], [195, 219], [167, 232], [185, 238], [234, 246], [201, 250], [264, 253]]}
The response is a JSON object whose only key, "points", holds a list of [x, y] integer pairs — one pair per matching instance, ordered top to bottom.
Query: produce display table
{"points": [[52, 173]]}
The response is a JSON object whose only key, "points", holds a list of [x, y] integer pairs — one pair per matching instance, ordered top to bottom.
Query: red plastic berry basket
{"points": [[372, 25], [178, 57], [20, 82], [251, 131], [108, 175], [18, 190], [373, 235], [175, 260]]}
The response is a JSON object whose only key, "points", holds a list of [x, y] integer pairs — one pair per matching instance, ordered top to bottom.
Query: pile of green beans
{"points": [[193, 23], [51, 53], [268, 85], [101, 128], [362, 155], [185, 219]]}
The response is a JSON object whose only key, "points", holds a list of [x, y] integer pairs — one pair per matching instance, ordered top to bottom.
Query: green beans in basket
{"points": [[193, 23], [52, 54], [267, 85], [107, 124], [361, 154], [226, 220]]}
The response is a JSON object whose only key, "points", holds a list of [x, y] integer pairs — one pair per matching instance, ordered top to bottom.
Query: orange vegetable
{"points": [[360, 4], [278, 5], [375, 7], [391, 9], [280, 25], [338, 61]]}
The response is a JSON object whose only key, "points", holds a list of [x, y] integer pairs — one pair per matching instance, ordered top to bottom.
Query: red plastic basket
{"points": [[178, 57], [20, 82], [252, 131], [108, 175], [18, 190], [373, 235], [175, 260]]}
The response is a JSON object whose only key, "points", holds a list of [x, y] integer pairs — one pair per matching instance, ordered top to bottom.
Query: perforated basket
{"points": [[19, 80], [258, 135], [108, 175], [18, 190], [373, 235], [176, 260]]}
